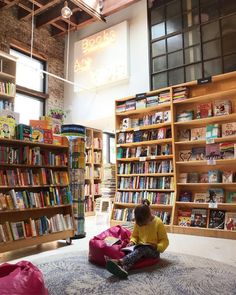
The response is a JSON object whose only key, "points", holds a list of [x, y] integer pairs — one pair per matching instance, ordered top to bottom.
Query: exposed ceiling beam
{"points": [[8, 4], [88, 9], [51, 15]]}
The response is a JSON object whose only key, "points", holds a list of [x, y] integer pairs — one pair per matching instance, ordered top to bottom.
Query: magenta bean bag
{"points": [[98, 249], [22, 278]]}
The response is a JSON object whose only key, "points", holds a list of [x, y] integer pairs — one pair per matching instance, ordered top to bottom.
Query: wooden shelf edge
{"points": [[144, 110], [145, 127], [148, 142], [204, 142], [30, 143], [148, 158], [145, 174], [34, 209], [14, 245]]}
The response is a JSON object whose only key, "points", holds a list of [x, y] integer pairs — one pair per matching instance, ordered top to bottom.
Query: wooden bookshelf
{"points": [[222, 88], [93, 164], [39, 205]]}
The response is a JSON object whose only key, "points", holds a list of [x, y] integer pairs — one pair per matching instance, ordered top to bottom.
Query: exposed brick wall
{"points": [[53, 48]]}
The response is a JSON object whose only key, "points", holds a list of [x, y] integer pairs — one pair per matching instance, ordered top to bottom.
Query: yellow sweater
{"points": [[153, 233]]}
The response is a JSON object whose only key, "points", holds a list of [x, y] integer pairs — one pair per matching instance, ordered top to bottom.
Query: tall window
{"points": [[191, 39], [30, 81], [109, 155]]}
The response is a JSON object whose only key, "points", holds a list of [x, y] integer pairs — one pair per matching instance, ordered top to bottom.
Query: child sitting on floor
{"points": [[148, 229]]}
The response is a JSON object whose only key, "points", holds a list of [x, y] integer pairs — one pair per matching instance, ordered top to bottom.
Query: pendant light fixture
{"points": [[66, 11]]}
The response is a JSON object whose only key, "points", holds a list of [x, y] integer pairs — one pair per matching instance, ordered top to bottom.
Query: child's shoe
{"points": [[117, 270]]}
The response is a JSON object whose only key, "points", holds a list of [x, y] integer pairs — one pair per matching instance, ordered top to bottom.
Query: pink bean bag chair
{"points": [[98, 248], [22, 278]]}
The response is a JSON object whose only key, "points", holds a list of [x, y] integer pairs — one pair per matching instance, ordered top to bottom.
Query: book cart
{"points": [[196, 192], [35, 201]]}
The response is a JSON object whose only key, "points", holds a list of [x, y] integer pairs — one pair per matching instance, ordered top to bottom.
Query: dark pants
{"points": [[140, 252]]}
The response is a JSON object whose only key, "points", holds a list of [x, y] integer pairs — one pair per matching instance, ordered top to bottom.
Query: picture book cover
{"points": [[140, 103], [222, 107], [204, 110], [11, 115], [167, 116], [185, 116], [157, 118], [126, 123], [41, 124], [7, 127], [228, 129], [213, 131], [24, 132], [161, 133], [198, 133], [37, 134], [153, 134], [183, 134], [145, 135], [47, 136], [138, 136], [129, 137], [121, 138], [227, 150], [213, 151], [198, 153], [185, 155], [214, 176], [227, 176], [183, 177], [193, 177], [203, 177], [215, 195], [185, 196], [200, 197], [231, 197], [184, 217], [199, 218], [217, 219], [230, 221], [109, 240], [129, 249]]}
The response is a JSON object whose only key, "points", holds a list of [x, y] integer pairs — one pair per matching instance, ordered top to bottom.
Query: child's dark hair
{"points": [[142, 213]]}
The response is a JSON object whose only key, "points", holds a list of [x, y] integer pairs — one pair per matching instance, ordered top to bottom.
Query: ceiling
{"points": [[48, 13]]}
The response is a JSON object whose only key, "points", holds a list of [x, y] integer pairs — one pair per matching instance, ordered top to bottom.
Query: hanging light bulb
{"points": [[66, 11]]}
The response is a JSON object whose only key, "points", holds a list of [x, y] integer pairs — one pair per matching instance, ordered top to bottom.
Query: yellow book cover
{"points": [[7, 127]]}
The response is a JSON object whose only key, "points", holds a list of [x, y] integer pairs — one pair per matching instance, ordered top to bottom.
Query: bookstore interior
{"points": [[95, 118]]}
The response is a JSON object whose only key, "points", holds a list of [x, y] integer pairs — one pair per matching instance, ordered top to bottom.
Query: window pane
{"points": [[189, 4], [173, 8], [229, 8], [209, 13], [157, 15], [191, 18], [174, 24], [158, 30], [210, 31], [192, 37], [174, 43], [229, 43], [158, 48], [211, 49], [192, 54], [175, 59], [230, 63], [159, 64], [212, 67], [28, 71], [193, 72], [176, 76], [159, 80], [24, 103], [105, 148], [112, 150]]}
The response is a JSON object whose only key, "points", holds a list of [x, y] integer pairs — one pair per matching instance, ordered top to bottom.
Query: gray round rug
{"points": [[176, 274]]}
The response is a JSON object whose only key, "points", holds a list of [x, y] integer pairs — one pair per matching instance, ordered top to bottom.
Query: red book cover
{"points": [[48, 136]]}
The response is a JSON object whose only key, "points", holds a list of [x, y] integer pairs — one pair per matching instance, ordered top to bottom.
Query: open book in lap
{"points": [[133, 247]]}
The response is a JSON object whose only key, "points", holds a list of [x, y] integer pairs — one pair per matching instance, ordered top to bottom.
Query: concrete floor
{"points": [[217, 249]]}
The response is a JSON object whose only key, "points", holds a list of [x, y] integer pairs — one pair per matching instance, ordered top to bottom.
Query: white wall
{"points": [[96, 108]]}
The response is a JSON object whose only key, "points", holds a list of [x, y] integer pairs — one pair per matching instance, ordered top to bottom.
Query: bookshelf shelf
{"points": [[7, 76], [5, 95], [204, 100], [210, 120], [164, 157], [49, 202], [152, 206]]}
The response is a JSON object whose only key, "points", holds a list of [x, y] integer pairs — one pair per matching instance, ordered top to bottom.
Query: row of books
{"points": [[7, 88], [180, 93], [143, 102], [5, 104], [205, 110], [146, 120], [209, 132], [145, 135], [97, 143], [144, 151], [214, 151], [31, 156], [88, 156], [97, 157], [164, 166], [88, 172], [97, 172], [212, 176], [34, 177], [144, 182], [97, 188], [87, 189], [212, 195], [137, 197], [28, 199], [88, 204], [127, 214], [199, 218], [10, 231]]}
